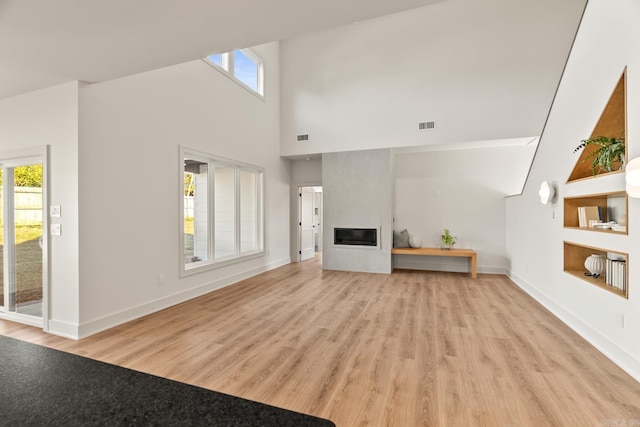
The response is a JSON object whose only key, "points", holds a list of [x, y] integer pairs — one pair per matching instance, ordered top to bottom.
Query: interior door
{"points": [[307, 223], [21, 274]]}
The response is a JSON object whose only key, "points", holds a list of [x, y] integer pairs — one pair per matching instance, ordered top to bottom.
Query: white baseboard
{"points": [[98, 325], [63, 329], [616, 354]]}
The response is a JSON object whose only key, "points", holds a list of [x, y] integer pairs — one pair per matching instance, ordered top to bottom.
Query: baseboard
{"points": [[98, 325], [63, 329], [616, 354]]}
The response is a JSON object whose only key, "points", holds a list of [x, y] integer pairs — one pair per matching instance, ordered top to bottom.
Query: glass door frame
{"points": [[21, 158]]}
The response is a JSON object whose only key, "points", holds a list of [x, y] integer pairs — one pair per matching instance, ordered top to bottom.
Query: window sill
{"points": [[228, 75], [203, 266]]}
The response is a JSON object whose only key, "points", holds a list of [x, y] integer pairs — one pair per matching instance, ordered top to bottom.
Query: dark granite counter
{"points": [[42, 386]]}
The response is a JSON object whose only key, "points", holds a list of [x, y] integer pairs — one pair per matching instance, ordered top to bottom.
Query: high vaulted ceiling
{"points": [[49, 42]]}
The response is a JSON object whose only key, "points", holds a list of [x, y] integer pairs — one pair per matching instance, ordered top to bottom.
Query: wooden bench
{"points": [[466, 253]]}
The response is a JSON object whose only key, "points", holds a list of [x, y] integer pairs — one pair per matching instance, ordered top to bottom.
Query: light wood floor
{"points": [[407, 349]]}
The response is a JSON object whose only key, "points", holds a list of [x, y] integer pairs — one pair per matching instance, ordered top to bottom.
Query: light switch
{"points": [[54, 211], [56, 229]]}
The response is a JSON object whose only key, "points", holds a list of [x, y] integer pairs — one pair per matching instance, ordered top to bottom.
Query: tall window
{"points": [[242, 66], [222, 214]]}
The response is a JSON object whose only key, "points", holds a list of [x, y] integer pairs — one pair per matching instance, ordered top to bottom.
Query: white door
{"points": [[307, 224]]}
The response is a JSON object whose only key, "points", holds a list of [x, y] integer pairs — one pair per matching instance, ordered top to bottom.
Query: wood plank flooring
{"points": [[408, 349]]}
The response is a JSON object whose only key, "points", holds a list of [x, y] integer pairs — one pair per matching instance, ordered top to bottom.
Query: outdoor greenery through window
{"points": [[243, 66], [222, 210]]}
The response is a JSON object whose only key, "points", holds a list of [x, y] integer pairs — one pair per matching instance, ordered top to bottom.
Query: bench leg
{"points": [[473, 266]]}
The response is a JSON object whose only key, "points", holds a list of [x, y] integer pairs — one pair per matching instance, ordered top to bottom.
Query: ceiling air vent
{"points": [[426, 125], [304, 137]]}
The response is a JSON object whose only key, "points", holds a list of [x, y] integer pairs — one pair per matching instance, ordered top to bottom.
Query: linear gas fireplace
{"points": [[355, 237]]}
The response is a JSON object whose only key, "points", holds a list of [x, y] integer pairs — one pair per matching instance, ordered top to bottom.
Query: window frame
{"points": [[227, 68], [187, 269]]}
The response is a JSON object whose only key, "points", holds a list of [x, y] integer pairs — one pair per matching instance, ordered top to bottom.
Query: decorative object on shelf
{"points": [[611, 150], [632, 178], [547, 192], [622, 220], [602, 225], [401, 239], [447, 240], [414, 242], [596, 265]]}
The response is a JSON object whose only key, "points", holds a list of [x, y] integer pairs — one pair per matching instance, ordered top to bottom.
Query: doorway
{"points": [[309, 221], [22, 240]]}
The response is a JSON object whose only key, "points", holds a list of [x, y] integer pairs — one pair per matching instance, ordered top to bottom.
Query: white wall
{"points": [[607, 42], [482, 70], [50, 117], [130, 130], [307, 172], [464, 191], [357, 193]]}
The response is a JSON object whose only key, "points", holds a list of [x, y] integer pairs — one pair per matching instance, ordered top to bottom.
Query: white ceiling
{"points": [[49, 42]]}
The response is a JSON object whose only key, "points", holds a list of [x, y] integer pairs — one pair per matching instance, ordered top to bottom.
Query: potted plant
{"points": [[610, 150], [447, 239]]}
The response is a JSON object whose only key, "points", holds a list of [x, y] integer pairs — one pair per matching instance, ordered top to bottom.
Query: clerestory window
{"points": [[242, 66]]}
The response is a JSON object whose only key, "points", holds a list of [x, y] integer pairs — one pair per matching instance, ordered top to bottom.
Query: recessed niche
{"points": [[612, 124], [611, 206], [615, 277]]}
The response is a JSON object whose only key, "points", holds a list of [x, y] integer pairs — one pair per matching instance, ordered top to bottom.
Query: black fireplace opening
{"points": [[355, 236]]}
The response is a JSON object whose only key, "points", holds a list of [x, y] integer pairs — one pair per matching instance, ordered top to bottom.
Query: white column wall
{"points": [[357, 193]]}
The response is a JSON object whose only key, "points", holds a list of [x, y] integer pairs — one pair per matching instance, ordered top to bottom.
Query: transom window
{"points": [[241, 65], [222, 211]]}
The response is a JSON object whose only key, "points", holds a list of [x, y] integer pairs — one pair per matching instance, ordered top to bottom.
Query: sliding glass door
{"points": [[21, 216]]}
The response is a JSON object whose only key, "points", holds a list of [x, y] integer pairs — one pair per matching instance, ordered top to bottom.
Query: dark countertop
{"points": [[42, 386]]}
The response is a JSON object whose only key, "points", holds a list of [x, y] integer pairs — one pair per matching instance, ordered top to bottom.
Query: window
{"points": [[218, 60], [242, 66], [246, 69], [222, 211]]}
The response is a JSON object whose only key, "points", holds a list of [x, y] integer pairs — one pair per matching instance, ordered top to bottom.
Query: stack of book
{"points": [[588, 215], [616, 273]]}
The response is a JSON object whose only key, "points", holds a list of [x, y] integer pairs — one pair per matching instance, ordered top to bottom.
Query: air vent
{"points": [[426, 125], [304, 137]]}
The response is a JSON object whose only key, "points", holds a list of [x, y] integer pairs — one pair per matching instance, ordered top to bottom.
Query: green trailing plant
{"points": [[610, 150], [447, 239]]}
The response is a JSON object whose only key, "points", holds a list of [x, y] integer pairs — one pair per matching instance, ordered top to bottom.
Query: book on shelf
{"points": [[588, 215], [616, 273]]}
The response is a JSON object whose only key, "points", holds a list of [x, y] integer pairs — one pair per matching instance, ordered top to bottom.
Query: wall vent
{"points": [[426, 125], [304, 137]]}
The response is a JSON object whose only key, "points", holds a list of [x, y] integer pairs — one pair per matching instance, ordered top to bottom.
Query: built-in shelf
{"points": [[612, 123], [613, 207], [584, 211], [574, 258]]}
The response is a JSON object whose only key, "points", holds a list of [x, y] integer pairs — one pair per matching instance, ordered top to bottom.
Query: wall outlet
{"points": [[160, 279], [620, 320]]}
